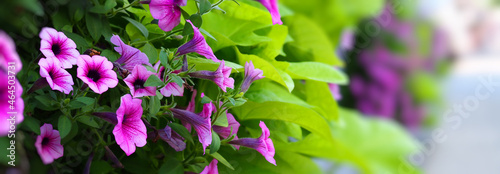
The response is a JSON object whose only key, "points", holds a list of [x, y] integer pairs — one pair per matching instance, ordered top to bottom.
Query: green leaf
{"points": [[205, 6], [105, 8], [196, 20], [94, 25], [138, 25], [80, 42], [270, 49], [151, 52], [110, 55], [164, 57], [210, 65], [316, 71], [153, 80], [178, 80], [265, 91], [318, 94], [205, 99], [85, 100], [81, 102], [154, 106], [88, 120], [222, 120], [31, 124], [64, 126], [182, 131], [215, 146], [221, 160], [171, 166]]}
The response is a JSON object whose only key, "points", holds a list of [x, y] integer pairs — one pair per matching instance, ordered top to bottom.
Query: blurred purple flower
{"points": [[272, 7], [167, 12], [56, 44], [197, 45], [8, 53], [130, 56], [97, 72], [251, 74], [220, 76], [57, 77], [135, 81], [171, 88], [335, 90], [8, 120], [130, 130], [172, 138], [48, 144], [263, 144], [211, 168]]}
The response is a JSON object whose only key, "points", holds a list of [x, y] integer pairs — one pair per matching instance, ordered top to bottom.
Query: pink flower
{"points": [[272, 7], [167, 12], [56, 44], [197, 45], [8, 53], [130, 56], [97, 72], [251, 74], [220, 76], [58, 78], [135, 81], [171, 88], [335, 90], [8, 121], [201, 123], [231, 129], [130, 130], [172, 138], [48, 144], [263, 144], [211, 168]]}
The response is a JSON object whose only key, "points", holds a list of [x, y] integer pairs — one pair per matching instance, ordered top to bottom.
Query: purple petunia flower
{"points": [[272, 7], [167, 12], [56, 44], [197, 45], [8, 54], [130, 56], [97, 72], [251, 74], [220, 76], [58, 78], [135, 81], [171, 88], [10, 116], [201, 122], [130, 130], [230, 130], [172, 138], [48, 144], [263, 144], [211, 168]]}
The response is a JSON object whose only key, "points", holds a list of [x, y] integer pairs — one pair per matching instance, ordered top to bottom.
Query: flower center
{"points": [[56, 48], [94, 75], [139, 84], [45, 141]]}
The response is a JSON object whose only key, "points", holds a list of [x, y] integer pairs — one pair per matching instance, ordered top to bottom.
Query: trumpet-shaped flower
{"points": [[272, 7], [167, 12], [57, 44], [198, 45], [8, 54], [130, 56], [97, 72], [251, 74], [220, 76], [57, 78], [135, 81], [170, 88], [8, 120], [201, 122], [230, 130], [130, 131], [172, 138], [48, 144], [263, 144], [211, 168]]}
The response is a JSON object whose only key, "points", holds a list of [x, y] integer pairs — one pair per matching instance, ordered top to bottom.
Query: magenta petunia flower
{"points": [[272, 7], [167, 12], [56, 44], [198, 45], [8, 54], [130, 56], [97, 72], [251, 74], [220, 76], [58, 78], [135, 81], [171, 88], [11, 116], [201, 122], [130, 130], [230, 130], [172, 138], [48, 144], [263, 144], [211, 168]]}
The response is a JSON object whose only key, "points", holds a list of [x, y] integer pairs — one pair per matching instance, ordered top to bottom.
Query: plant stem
{"points": [[217, 3], [157, 38]]}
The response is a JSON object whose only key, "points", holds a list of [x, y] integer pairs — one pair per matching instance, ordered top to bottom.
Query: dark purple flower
{"points": [[272, 7], [167, 12], [56, 44], [197, 45], [8, 54], [130, 56], [97, 72], [251, 74], [220, 76], [57, 77], [135, 81], [130, 130], [172, 138], [48, 144], [263, 144], [211, 168]]}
